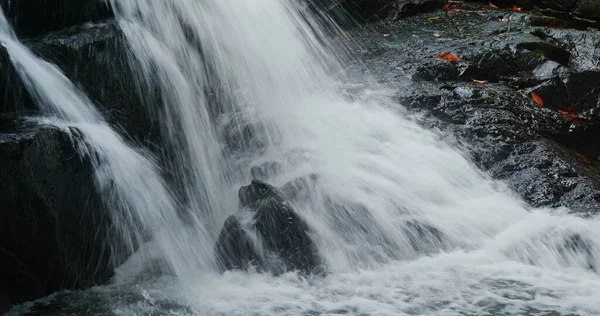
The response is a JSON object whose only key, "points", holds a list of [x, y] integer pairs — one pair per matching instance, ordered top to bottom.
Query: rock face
{"points": [[589, 9], [373, 10], [32, 18], [547, 157], [54, 228], [282, 235]]}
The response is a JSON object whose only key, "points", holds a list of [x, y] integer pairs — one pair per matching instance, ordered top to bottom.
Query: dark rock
{"points": [[589, 9], [372, 10], [35, 18], [83, 53], [13, 95], [536, 150], [266, 170], [257, 192], [55, 230], [286, 244], [234, 248]]}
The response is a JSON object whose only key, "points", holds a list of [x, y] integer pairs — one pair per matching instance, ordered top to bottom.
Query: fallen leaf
{"points": [[446, 6], [493, 6], [515, 9], [454, 10], [433, 18], [386, 35], [436, 35], [416, 36], [447, 56], [480, 81], [537, 99], [566, 111]]}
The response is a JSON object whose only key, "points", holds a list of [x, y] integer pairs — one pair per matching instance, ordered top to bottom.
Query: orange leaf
{"points": [[446, 6], [493, 6], [515, 9], [436, 35], [447, 56], [480, 81], [537, 98], [566, 111]]}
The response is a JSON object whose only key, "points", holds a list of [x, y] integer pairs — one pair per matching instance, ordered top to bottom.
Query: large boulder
{"points": [[34, 18], [83, 53], [55, 230], [283, 237]]}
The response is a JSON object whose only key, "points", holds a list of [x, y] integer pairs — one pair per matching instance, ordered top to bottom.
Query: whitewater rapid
{"points": [[224, 68]]}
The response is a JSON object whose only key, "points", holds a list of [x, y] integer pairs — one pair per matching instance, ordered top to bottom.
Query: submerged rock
{"points": [[55, 230], [283, 235]]}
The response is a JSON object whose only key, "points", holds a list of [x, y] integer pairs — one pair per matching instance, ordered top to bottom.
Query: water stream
{"points": [[405, 223]]}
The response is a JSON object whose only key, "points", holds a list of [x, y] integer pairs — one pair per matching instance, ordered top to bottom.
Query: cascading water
{"points": [[128, 179], [405, 223]]}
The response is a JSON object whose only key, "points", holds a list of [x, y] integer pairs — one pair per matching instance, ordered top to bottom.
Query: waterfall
{"points": [[127, 177], [387, 189], [405, 223]]}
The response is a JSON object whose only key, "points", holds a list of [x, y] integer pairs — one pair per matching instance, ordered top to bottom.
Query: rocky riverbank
{"points": [[518, 88], [483, 91]]}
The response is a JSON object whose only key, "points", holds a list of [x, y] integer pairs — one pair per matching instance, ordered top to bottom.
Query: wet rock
{"points": [[589, 9], [372, 10], [35, 18], [82, 53], [548, 158], [55, 231], [283, 234], [234, 248]]}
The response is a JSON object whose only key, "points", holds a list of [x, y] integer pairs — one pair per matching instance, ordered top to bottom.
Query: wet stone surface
{"points": [[484, 98]]}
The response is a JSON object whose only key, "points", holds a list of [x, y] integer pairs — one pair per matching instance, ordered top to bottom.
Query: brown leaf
{"points": [[446, 6], [493, 6], [515, 9], [454, 10], [436, 35], [447, 56], [537, 99]]}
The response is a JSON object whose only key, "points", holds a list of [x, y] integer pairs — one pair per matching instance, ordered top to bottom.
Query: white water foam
{"points": [[127, 177], [406, 224]]}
